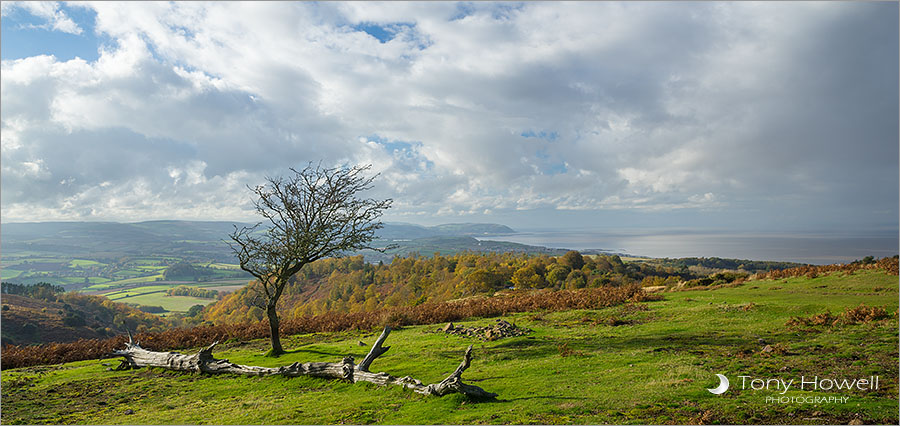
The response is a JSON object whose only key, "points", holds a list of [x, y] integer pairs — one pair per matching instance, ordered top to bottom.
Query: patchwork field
{"points": [[154, 293], [650, 362]]}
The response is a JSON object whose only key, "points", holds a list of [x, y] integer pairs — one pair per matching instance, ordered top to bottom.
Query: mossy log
{"points": [[135, 357]]}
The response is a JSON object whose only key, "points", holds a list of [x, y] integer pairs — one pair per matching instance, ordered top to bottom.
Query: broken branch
{"points": [[203, 361]]}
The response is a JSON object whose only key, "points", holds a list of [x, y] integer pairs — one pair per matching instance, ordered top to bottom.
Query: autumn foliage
{"points": [[887, 264], [352, 285], [426, 313], [861, 314]]}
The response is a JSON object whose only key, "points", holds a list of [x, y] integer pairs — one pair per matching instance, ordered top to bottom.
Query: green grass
{"points": [[84, 262], [227, 266], [7, 273], [129, 281], [112, 285], [115, 295], [155, 295], [169, 303], [574, 368]]}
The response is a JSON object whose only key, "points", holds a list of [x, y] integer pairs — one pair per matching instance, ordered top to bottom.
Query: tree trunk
{"points": [[274, 331], [203, 361]]}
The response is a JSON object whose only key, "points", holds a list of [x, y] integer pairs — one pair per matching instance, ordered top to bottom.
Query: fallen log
{"points": [[135, 357]]}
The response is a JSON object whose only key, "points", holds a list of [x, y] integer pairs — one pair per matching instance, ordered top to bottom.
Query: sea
{"points": [[814, 248]]}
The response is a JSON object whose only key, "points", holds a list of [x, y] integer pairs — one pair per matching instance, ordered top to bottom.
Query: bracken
{"points": [[887, 264], [426, 313]]}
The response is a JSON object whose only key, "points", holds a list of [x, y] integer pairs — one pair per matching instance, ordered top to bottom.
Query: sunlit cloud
{"points": [[465, 110]]}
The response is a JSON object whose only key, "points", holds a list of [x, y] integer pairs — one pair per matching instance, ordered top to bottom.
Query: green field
{"points": [[84, 263], [226, 266], [7, 273], [82, 273], [125, 282], [110, 285], [155, 295], [169, 303], [616, 365]]}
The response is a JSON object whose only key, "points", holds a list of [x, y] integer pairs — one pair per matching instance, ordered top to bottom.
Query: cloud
{"points": [[49, 11], [463, 108]]}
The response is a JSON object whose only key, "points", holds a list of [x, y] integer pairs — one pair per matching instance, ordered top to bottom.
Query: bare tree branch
{"points": [[314, 213]]}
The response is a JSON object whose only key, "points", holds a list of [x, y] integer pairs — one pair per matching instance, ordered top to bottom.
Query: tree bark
{"points": [[275, 334], [376, 351], [203, 361]]}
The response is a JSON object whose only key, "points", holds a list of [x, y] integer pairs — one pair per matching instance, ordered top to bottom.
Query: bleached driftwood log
{"points": [[203, 361]]}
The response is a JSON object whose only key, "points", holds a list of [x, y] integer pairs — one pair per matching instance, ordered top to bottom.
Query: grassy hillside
{"points": [[68, 317], [639, 363]]}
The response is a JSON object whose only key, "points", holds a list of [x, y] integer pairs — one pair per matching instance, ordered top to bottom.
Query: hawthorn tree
{"points": [[311, 214]]}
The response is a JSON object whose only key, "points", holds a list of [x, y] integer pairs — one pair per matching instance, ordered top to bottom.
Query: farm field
{"points": [[102, 273], [136, 280], [154, 294], [571, 369]]}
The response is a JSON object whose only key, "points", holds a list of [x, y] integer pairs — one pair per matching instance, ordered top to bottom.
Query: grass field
{"points": [[85, 263], [226, 266], [7, 273], [125, 282], [155, 295], [169, 303], [622, 364]]}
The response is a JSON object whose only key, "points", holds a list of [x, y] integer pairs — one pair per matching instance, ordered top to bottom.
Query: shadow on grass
{"points": [[541, 348], [314, 351], [485, 378], [525, 398]]}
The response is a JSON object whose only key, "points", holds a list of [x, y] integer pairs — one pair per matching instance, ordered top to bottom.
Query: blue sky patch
{"points": [[463, 9], [504, 11], [383, 32], [23, 35], [543, 134], [391, 146], [405, 152], [550, 165]]}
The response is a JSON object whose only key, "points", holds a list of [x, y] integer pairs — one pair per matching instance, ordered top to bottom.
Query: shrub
{"points": [[887, 264], [426, 313], [859, 315], [73, 320]]}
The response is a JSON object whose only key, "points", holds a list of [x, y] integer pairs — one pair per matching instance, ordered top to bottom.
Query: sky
{"points": [[733, 115]]}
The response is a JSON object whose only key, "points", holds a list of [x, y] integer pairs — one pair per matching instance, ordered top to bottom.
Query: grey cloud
{"points": [[654, 106]]}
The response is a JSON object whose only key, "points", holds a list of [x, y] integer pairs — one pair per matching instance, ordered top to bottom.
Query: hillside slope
{"points": [[68, 318], [637, 363]]}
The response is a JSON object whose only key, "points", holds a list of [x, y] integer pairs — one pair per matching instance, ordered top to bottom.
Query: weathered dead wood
{"points": [[376, 351], [203, 361]]}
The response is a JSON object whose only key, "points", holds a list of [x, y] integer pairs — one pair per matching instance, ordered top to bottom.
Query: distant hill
{"points": [[473, 229], [411, 231], [203, 240], [200, 241], [450, 245]]}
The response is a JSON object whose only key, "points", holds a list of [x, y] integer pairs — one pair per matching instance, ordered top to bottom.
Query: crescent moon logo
{"points": [[723, 385]]}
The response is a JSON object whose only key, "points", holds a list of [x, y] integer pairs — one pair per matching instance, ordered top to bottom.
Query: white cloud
{"points": [[56, 19], [467, 108]]}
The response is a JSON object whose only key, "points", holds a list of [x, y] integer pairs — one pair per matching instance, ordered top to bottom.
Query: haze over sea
{"points": [[816, 248]]}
